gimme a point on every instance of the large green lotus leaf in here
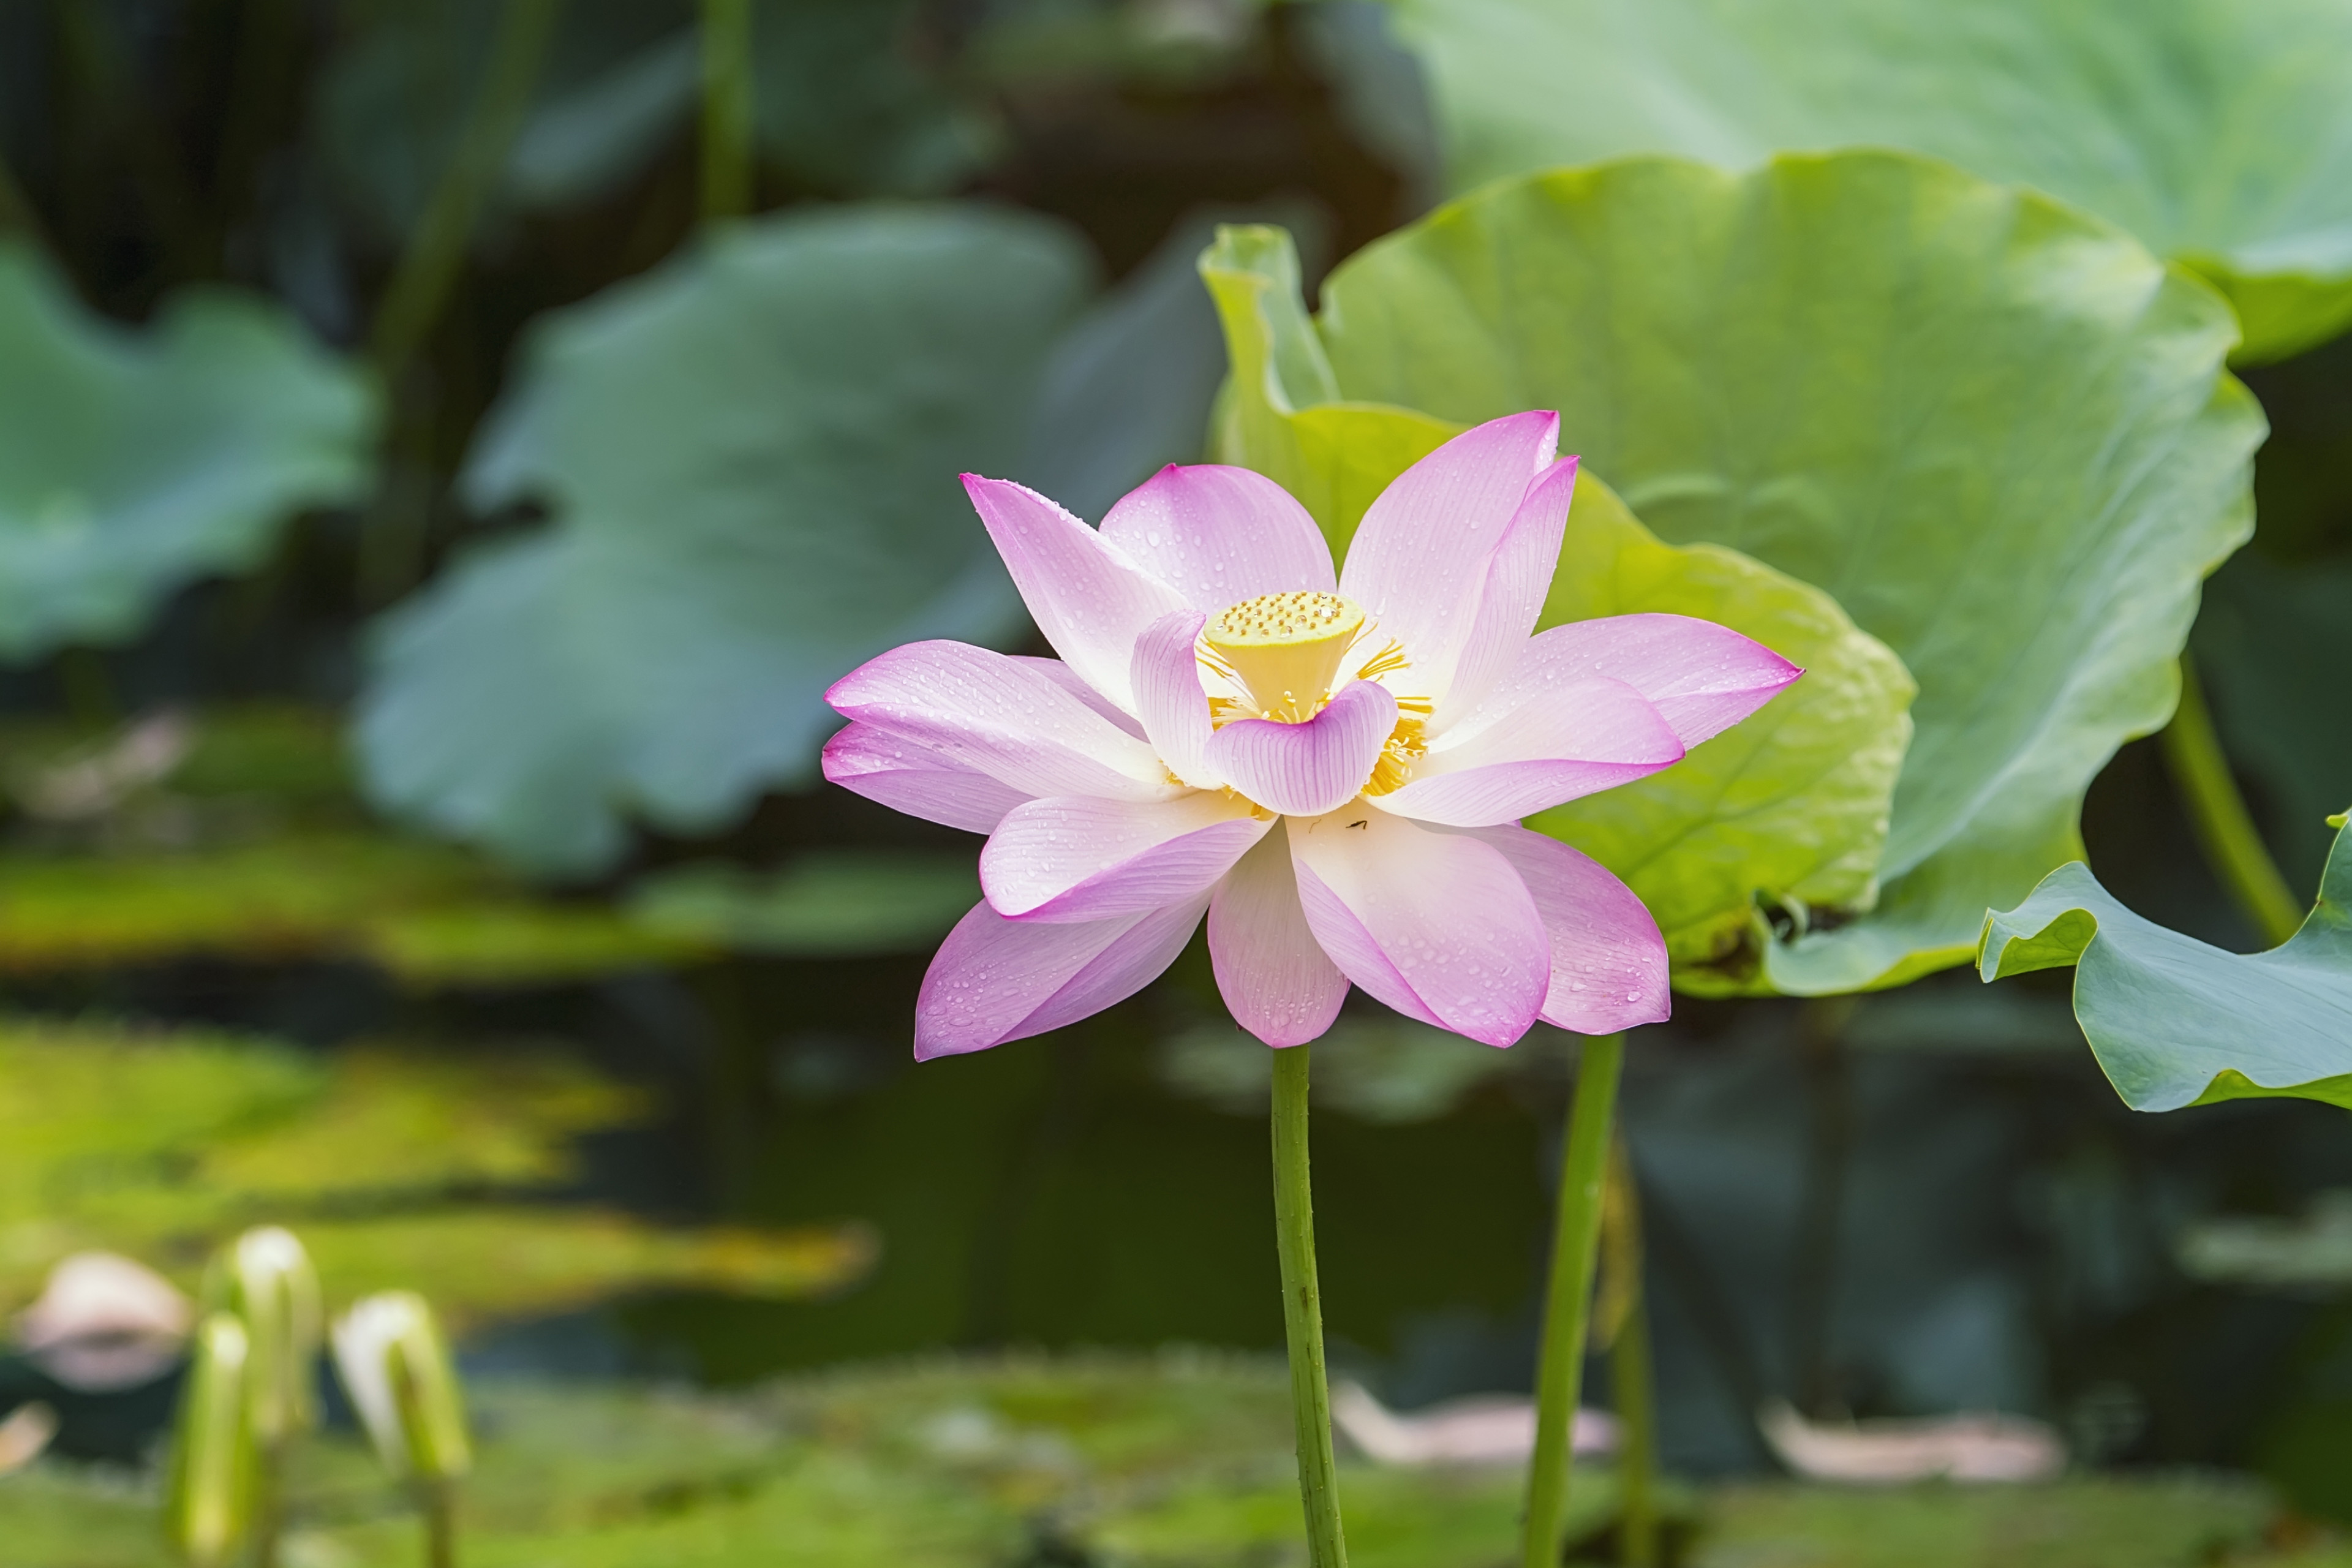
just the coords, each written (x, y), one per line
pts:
(1792, 804)
(751, 455)
(2219, 131)
(134, 463)
(2175, 1022)
(1999, 432)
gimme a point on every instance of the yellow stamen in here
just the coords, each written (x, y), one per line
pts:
(1407, 744)
(1284, 648)
(1388, 660)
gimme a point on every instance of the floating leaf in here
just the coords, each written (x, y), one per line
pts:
(515, 941)
(828, 903)
(2216, 130)
(392, 1124)
(303, 895)
(2175, 1022)
(133, 464)
(750, 455)
(487, 1262)
(1997, 433)
(161, 1145)
(1145, 1462)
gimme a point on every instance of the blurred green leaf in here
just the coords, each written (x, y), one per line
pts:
(134, 463)
(1997, 433)
(2219, 131)
(482, 1263)
(163, 1144)
(1130, 1462)
(751, 453)
(2175, 1022)
(293, 896)
(827, 903)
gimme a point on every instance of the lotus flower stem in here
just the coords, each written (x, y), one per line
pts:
(1576, 1242)
(1302, 1312)
(725, 108)
(1632, 1384)
(2225, 828)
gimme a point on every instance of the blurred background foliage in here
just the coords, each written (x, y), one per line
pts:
(421, 547)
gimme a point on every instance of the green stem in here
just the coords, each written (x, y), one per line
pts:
(1569, 1301)
(725, 108)
(1302, 1312)
(1632, 1385)
(437, 1500)
(2225, 828)
(269, 1502)
(420, 287)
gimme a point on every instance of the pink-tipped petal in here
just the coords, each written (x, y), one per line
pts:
(1303, 770)
(1219, 535)
(1419, 556)
(1518, 577)
(996, 715)
(1437, 925)
(1088, 599)
(1063, 676)
(995, 980)
(914, 779)
(1608, 960)
(1561, 743)
(1701, 677)
(1275, 978)
(1166, 674)
(1073, 859)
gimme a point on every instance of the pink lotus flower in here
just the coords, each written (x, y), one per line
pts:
(1331, 768)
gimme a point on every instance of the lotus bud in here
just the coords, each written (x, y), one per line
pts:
(397, 1370)
(265, 1278)
(209, 1507)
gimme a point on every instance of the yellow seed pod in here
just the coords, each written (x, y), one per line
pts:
(1286, 649)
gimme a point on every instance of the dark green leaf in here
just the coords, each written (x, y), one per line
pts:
(750, 455)
(134, 463)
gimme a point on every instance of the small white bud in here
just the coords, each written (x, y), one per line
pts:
(397, 1370)
(209, 1506)
(265, 1278)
